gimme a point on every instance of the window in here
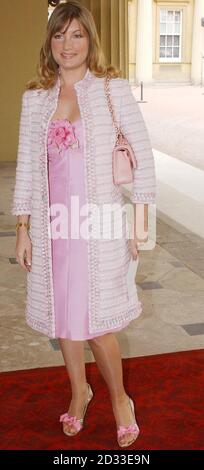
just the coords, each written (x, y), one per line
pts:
(170, 35)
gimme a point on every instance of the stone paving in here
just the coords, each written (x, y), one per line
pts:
(170, 283)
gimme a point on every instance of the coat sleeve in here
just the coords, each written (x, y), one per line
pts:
(21, 203)
(134, 128)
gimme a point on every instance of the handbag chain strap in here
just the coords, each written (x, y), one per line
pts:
(110, 106)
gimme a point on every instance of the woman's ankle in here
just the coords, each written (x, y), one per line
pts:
(120, 399)
(80, 391)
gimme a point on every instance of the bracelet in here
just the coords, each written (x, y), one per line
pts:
(20, 224)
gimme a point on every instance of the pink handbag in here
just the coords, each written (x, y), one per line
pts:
(123, 157)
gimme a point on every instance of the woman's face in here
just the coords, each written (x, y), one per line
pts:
(70, 48)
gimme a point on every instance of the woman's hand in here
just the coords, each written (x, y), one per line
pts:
(24, 249)
(133, 248)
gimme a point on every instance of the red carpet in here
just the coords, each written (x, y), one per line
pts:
(168, 391)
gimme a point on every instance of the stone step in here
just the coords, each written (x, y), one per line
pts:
(164, 84)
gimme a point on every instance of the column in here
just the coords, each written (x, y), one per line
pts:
(95, 7)
(106, 28)
(144, 42)
(23, 26)
(197, 63)
(111, 17)
(115, 33)
(122, 37)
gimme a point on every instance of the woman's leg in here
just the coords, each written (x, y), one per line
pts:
(107, 354)
(73, 354)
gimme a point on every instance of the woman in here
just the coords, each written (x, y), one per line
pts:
(77, 287)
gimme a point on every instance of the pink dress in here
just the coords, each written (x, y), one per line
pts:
(69, 255)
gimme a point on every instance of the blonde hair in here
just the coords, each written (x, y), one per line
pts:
(47, 68)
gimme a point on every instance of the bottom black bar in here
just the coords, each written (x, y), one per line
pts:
(89, 459)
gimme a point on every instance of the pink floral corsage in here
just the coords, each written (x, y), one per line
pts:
(61, 134)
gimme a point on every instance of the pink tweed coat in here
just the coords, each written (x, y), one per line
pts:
(110, 304)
